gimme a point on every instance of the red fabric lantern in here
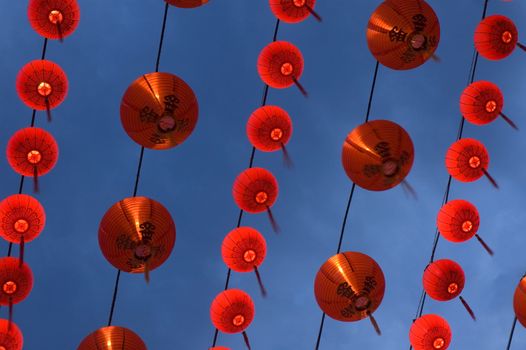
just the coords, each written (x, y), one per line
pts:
(482, 102)
(519, 302)
(458, 221)
(137, 235)
(280, 65)
(444, 280)
(467, 160)
(244, 250)
(54, 19)
(32, 152)
(16, 282)
(496, 37)
(42, 85)
(187, 3)
(219, 348)
(10, 336)
(232, 311)
(293, 11)
(112, 338)
(430, 332)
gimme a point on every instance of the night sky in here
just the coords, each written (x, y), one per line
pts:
(214, 48)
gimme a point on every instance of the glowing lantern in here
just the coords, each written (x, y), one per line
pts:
(496, 37)
(16, 282)
(10, 336)
(293, 11)
(519, 301)
(430, 332)
(187, 3)
(54, 19)
(112, 338)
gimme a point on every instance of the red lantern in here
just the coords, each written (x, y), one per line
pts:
(255, 190)
(112, 338)
(244, 250)
(467, 160)
(458, 221)
(16, 281)
(444, 280)
(482, 102)
(519, 302)
(280, 65)
(232, 311)
(54, 19)
(430, 332)
(42, 85)
(496, 37)
(32, 152)
(10, 336)
(187, 3)
(219, 348)
(293, 11)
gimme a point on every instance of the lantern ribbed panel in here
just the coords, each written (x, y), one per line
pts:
(251, 182)
(25, 208)
(187, 3)
(519, 302)
(237, 243)
(271, 60)
(39, 12)
(229, 304)
(261, 124)
(453, 215)
(490, 34)
(287, 11)
(458, 159)
(11, 271)
(112, 338)
(474, 101)
(429, 329)
(10, 337)
(439, 275)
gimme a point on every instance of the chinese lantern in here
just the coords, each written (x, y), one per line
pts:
(519, 301)
(22, 218)
(219, 348)
(112, 338)
(444, 280)
(159, 111)
(244, 250)
(10, 336)
(280, 65)
(467, 160)
(42, 85)
(403, 35)
(269, 129)
(349, 287)
(232, 311)
(458, 220)
(16, 281)
(430, 332)
(378, 155)
(54, 19)
(482, 102)
(496, 37)
(255, 190)
(293, 11)
(187, 3)
(32, 152)
(137, 235)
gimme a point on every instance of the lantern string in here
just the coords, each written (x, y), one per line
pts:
(471, 78)
(511, 333)
(250, 165)
(139, 166)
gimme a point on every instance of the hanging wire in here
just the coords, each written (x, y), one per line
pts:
(250, 164)
(511, 333)
(139, 166)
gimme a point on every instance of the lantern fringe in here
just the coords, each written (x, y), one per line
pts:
(484, 244)
(469, 310)
(275, 226)
(522, 46)
(36, 188)
(286, 157)
(10, 319)
(302, 89)
(312, 12)
(409, 189)
(147, 272)
(48, 110)
(436, 58)
(245, 337)
(490, 178)
(60, 35)
(374, 323)
(260, 282)
(21, 255)
(509, 121)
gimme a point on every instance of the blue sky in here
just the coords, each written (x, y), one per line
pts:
(215, 49)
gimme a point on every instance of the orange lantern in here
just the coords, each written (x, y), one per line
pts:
(16, 280)
(430, 332)
(244, 250)
(444, 280)
(187, 3)
(482, 102)
(112, 338)
(159, 111)
(255, 190)
(403, 35)
(42, 85)
(458, 221)
(54, 19)
(232, 311)
(293, 11)
(467, 160)
(32, 152)
(378, 155)
(519, 301)
(349, 287)
(10, 336)
(496, 37)
(137, 235)
(280, 65)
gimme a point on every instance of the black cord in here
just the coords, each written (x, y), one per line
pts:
(511, 333)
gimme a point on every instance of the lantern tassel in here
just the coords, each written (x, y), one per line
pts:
(490, 178)
(48, 110)
(36, 188)
(484, 244)
(245, 337)
(312, 12)
(409, 189)
(509, 121)
(436, 58)
(275, 226)
(147, 272)
(522, 46)
(374, 323)
(60, 35)
(21, 256)
(260, 282)
(10, 314)
(286, 157)
(302, 89)
(470, 311)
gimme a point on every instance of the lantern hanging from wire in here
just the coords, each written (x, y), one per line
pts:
(232, 311)
(403, 35)
(349, 287)
(187, 4)
(16, 281)
(496, 37)
(293, 11)
(519, 302)
(10, 336)
(219, 348)
(430, 332)
(112, 338)
(244, 250)
(159, 111)
(54, 19)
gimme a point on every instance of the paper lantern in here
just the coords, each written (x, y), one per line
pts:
(112, 338)
(54, 19)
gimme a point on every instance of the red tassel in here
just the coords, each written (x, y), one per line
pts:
(312, 12)
(481, 241)
(491, 179)
(374, 323)
(409, 189)
(48, 110)
(522, 46)
(471, 313)
(436, 58)
(10, 314)
(245, 337)
(286, 157)
(273, 222)
(22, 244)
(60, 35)
(509, 121)
(36, 188)
(147, 272)
(302, 89)
(261, 286)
